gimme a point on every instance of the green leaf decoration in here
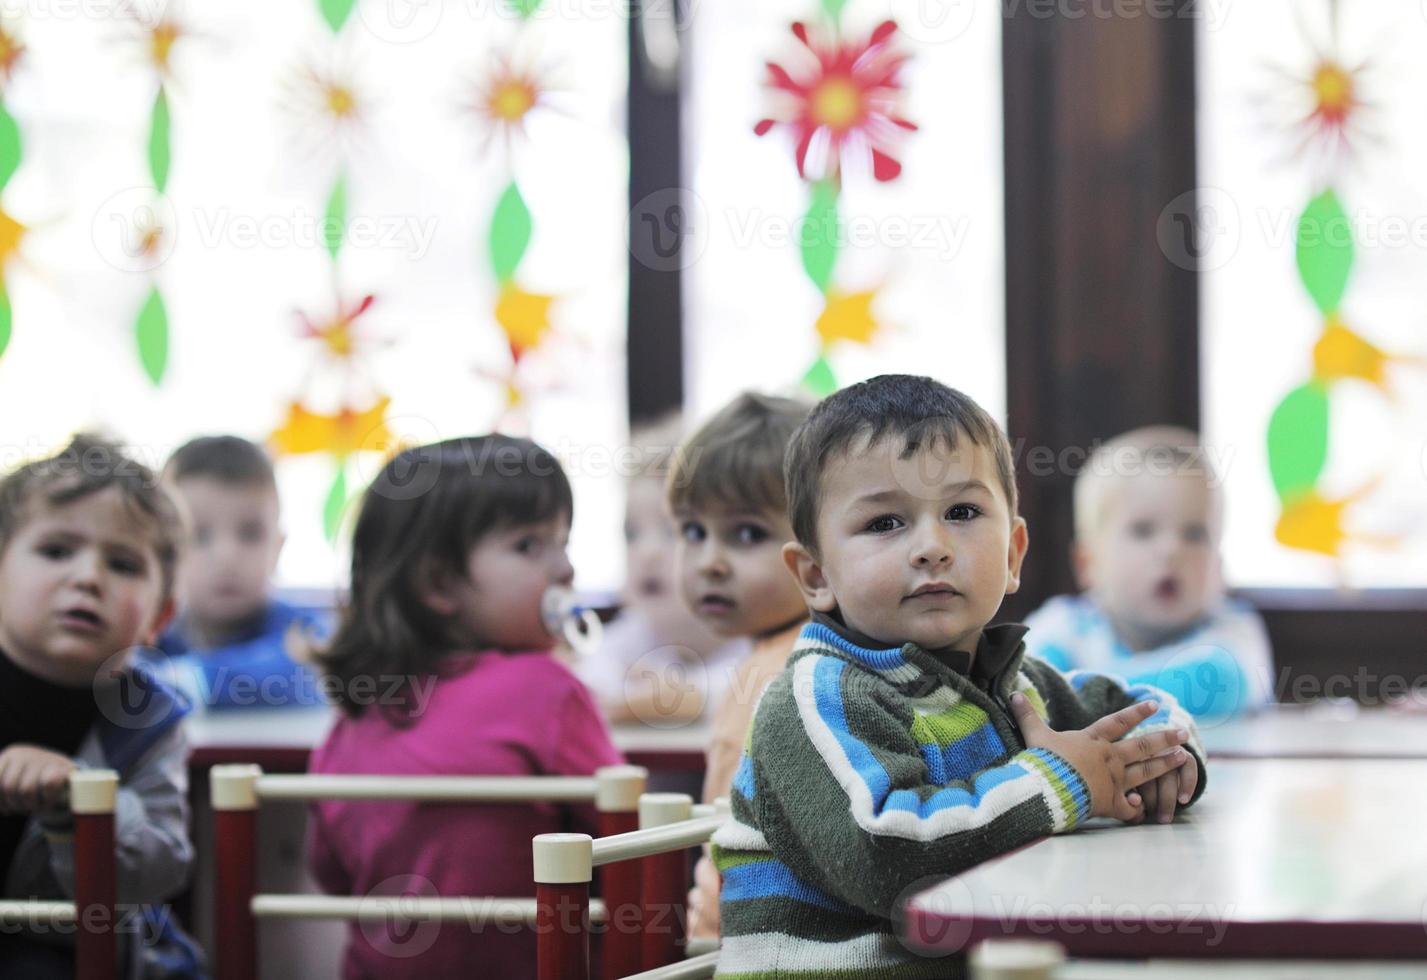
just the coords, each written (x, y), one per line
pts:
(159, 151)
(6, 319)
(820, 381)
(336, 12)
(9, 146)
(525, 8)
(834, 9)
(510, 233)
(151, 331)
(1325, 250)
(1298, 440)
(818, 234)
(334, 222)
(336, 504)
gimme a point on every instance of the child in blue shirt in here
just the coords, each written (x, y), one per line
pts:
(1148, 514)
(229, 645)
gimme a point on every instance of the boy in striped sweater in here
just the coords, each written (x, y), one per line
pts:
(906, 738)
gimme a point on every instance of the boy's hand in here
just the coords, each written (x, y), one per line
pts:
(1160, 795)
(1111, 768)
(32, 778)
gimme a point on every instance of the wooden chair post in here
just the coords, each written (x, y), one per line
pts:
(617, 793)
(563, 864)
(92, 795)
(665, 883)
(235, 837)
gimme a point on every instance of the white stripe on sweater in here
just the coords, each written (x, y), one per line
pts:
(902, 823)
(777, 951)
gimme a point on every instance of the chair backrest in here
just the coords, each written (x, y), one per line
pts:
(238, 790)
(94, 911)
(669, 825)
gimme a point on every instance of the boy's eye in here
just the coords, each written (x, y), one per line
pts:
(528, 545)
(883, 524)
(202, 535)
(963, 512)
(125, 565)
(691, 531)
(251, 534)
(1196, 534)
(1142, 530)
(54, 551)
(750, 534)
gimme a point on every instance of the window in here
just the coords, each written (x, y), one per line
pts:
(897, 267)
(268, 105)
(1315, 367)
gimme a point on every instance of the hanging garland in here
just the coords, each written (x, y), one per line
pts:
(359, 421)
(844, 107)
(1325, 253)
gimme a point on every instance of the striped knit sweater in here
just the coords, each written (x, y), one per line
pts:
(871, 773)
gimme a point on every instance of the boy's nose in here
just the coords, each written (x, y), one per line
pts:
(712, 563)
(85, 571)
(932, 548)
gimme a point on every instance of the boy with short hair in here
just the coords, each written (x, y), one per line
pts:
(1148, 519)
(228, 647)
(88, 545)
(906, 738)
(726, 493)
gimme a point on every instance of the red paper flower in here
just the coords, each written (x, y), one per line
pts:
(847, 104)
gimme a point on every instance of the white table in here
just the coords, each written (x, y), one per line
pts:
(1319, 732)
(1282, 859)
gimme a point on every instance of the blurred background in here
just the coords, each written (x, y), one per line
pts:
(340, 227)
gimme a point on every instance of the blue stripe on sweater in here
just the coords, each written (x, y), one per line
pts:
(971, 752)
(827, 694)
(876, 659)
(743, 778)
(954, 796)
(766, 879)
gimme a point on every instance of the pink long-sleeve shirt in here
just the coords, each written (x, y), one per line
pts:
(506, 714)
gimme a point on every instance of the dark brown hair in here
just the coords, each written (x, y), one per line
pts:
(227, 459)
(89, 465)
(918, 410)
(735, 459)
(429, 506)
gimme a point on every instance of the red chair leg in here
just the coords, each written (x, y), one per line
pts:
(562, 906)
(96, 886)
(235, 838)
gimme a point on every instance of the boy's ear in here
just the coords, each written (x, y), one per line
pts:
(1016, 554)
(817, 593)
(160, 623)
(435, 588)
(1080, 560)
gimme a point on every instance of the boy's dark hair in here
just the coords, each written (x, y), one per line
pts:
(735, 459)
(429, 506)
(916, 409)
(227, 459)
(89, 465)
